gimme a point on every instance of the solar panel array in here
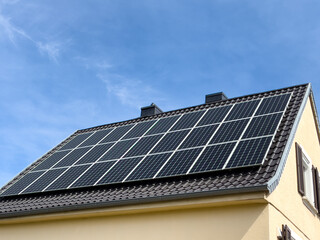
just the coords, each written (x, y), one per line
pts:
(231, 136)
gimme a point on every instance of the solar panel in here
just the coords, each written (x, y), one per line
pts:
(199, 136)
(250, 152)
(96, 137)
(149, 167)
(180, 162)
(188, 120)
(67, 178)
(76, 141)
(72, 157)
(117, 133)
(163, 125)
(93, 174)
(118, 150)
(170, 141)
(213, 157)
(139, 129)
(120, 170)
(143, 146)
(243, 110)
(52, 160)
(214, 115)
(229, 131)
(95, 153)
(231, 136)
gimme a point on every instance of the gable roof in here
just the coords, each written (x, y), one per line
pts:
(264, 177)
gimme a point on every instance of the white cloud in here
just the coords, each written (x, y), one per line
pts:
(51, 49)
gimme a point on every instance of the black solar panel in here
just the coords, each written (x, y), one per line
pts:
(52, 160)
(67, 177)
(76, 141)
(163, 125)
(231, 136)
(95, 153)
(117, 133)
(72, 157)
(230, 131)
(143, 146)
(139, 129)
(214, 115)
(149, 167)
(263, 125)
(188, 120)
(249, 152)
(23, 183)
(180, 162)
(93, 174)
(199, 136)
(243, 110)
(43, 181)
(213, 157)
(273, 104)
(96, 137)
(118, 150)
(120, 170)
(170, 141)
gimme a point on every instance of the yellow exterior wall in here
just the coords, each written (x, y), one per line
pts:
(286, 205)
(228, 223)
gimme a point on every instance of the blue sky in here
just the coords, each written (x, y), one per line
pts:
(68, 65)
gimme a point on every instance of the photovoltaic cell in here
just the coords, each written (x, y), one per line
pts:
(263, 125)
(243, 110)
(213, 157)
(95, 153)
(149, 167)
(43, 181)
(170, 141)
(117, 133)
(162, 125)
(139, 129)
(96, 137)
(120, 170)
(76, 141)
(67, 178)
(143, 146)
(229, 131)
(273, 104)
(118, 150)
(22, 183)
(214, 115)
(180, 162)
(249, 152)
(90, 177)
(71, 158)
(50, 161)
(199, 136)
(188, 120)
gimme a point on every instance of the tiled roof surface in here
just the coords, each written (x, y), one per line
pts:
(245, 179)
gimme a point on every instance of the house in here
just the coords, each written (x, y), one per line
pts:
(240, 168)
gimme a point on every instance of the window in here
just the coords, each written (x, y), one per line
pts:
(308, 180)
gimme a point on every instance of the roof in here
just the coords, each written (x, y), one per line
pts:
(264, 177)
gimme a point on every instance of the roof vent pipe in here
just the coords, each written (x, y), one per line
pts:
(153, 109)
(215, 97)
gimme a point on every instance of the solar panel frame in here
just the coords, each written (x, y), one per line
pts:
(96, 137)
(76, 141)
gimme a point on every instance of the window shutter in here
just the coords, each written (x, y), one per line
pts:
(286, 233)
(316, 188)
(300, 169)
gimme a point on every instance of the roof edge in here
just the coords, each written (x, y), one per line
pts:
(274, 181)
(97, 205)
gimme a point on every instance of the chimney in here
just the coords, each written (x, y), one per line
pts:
(150, 110)
(215, 97)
